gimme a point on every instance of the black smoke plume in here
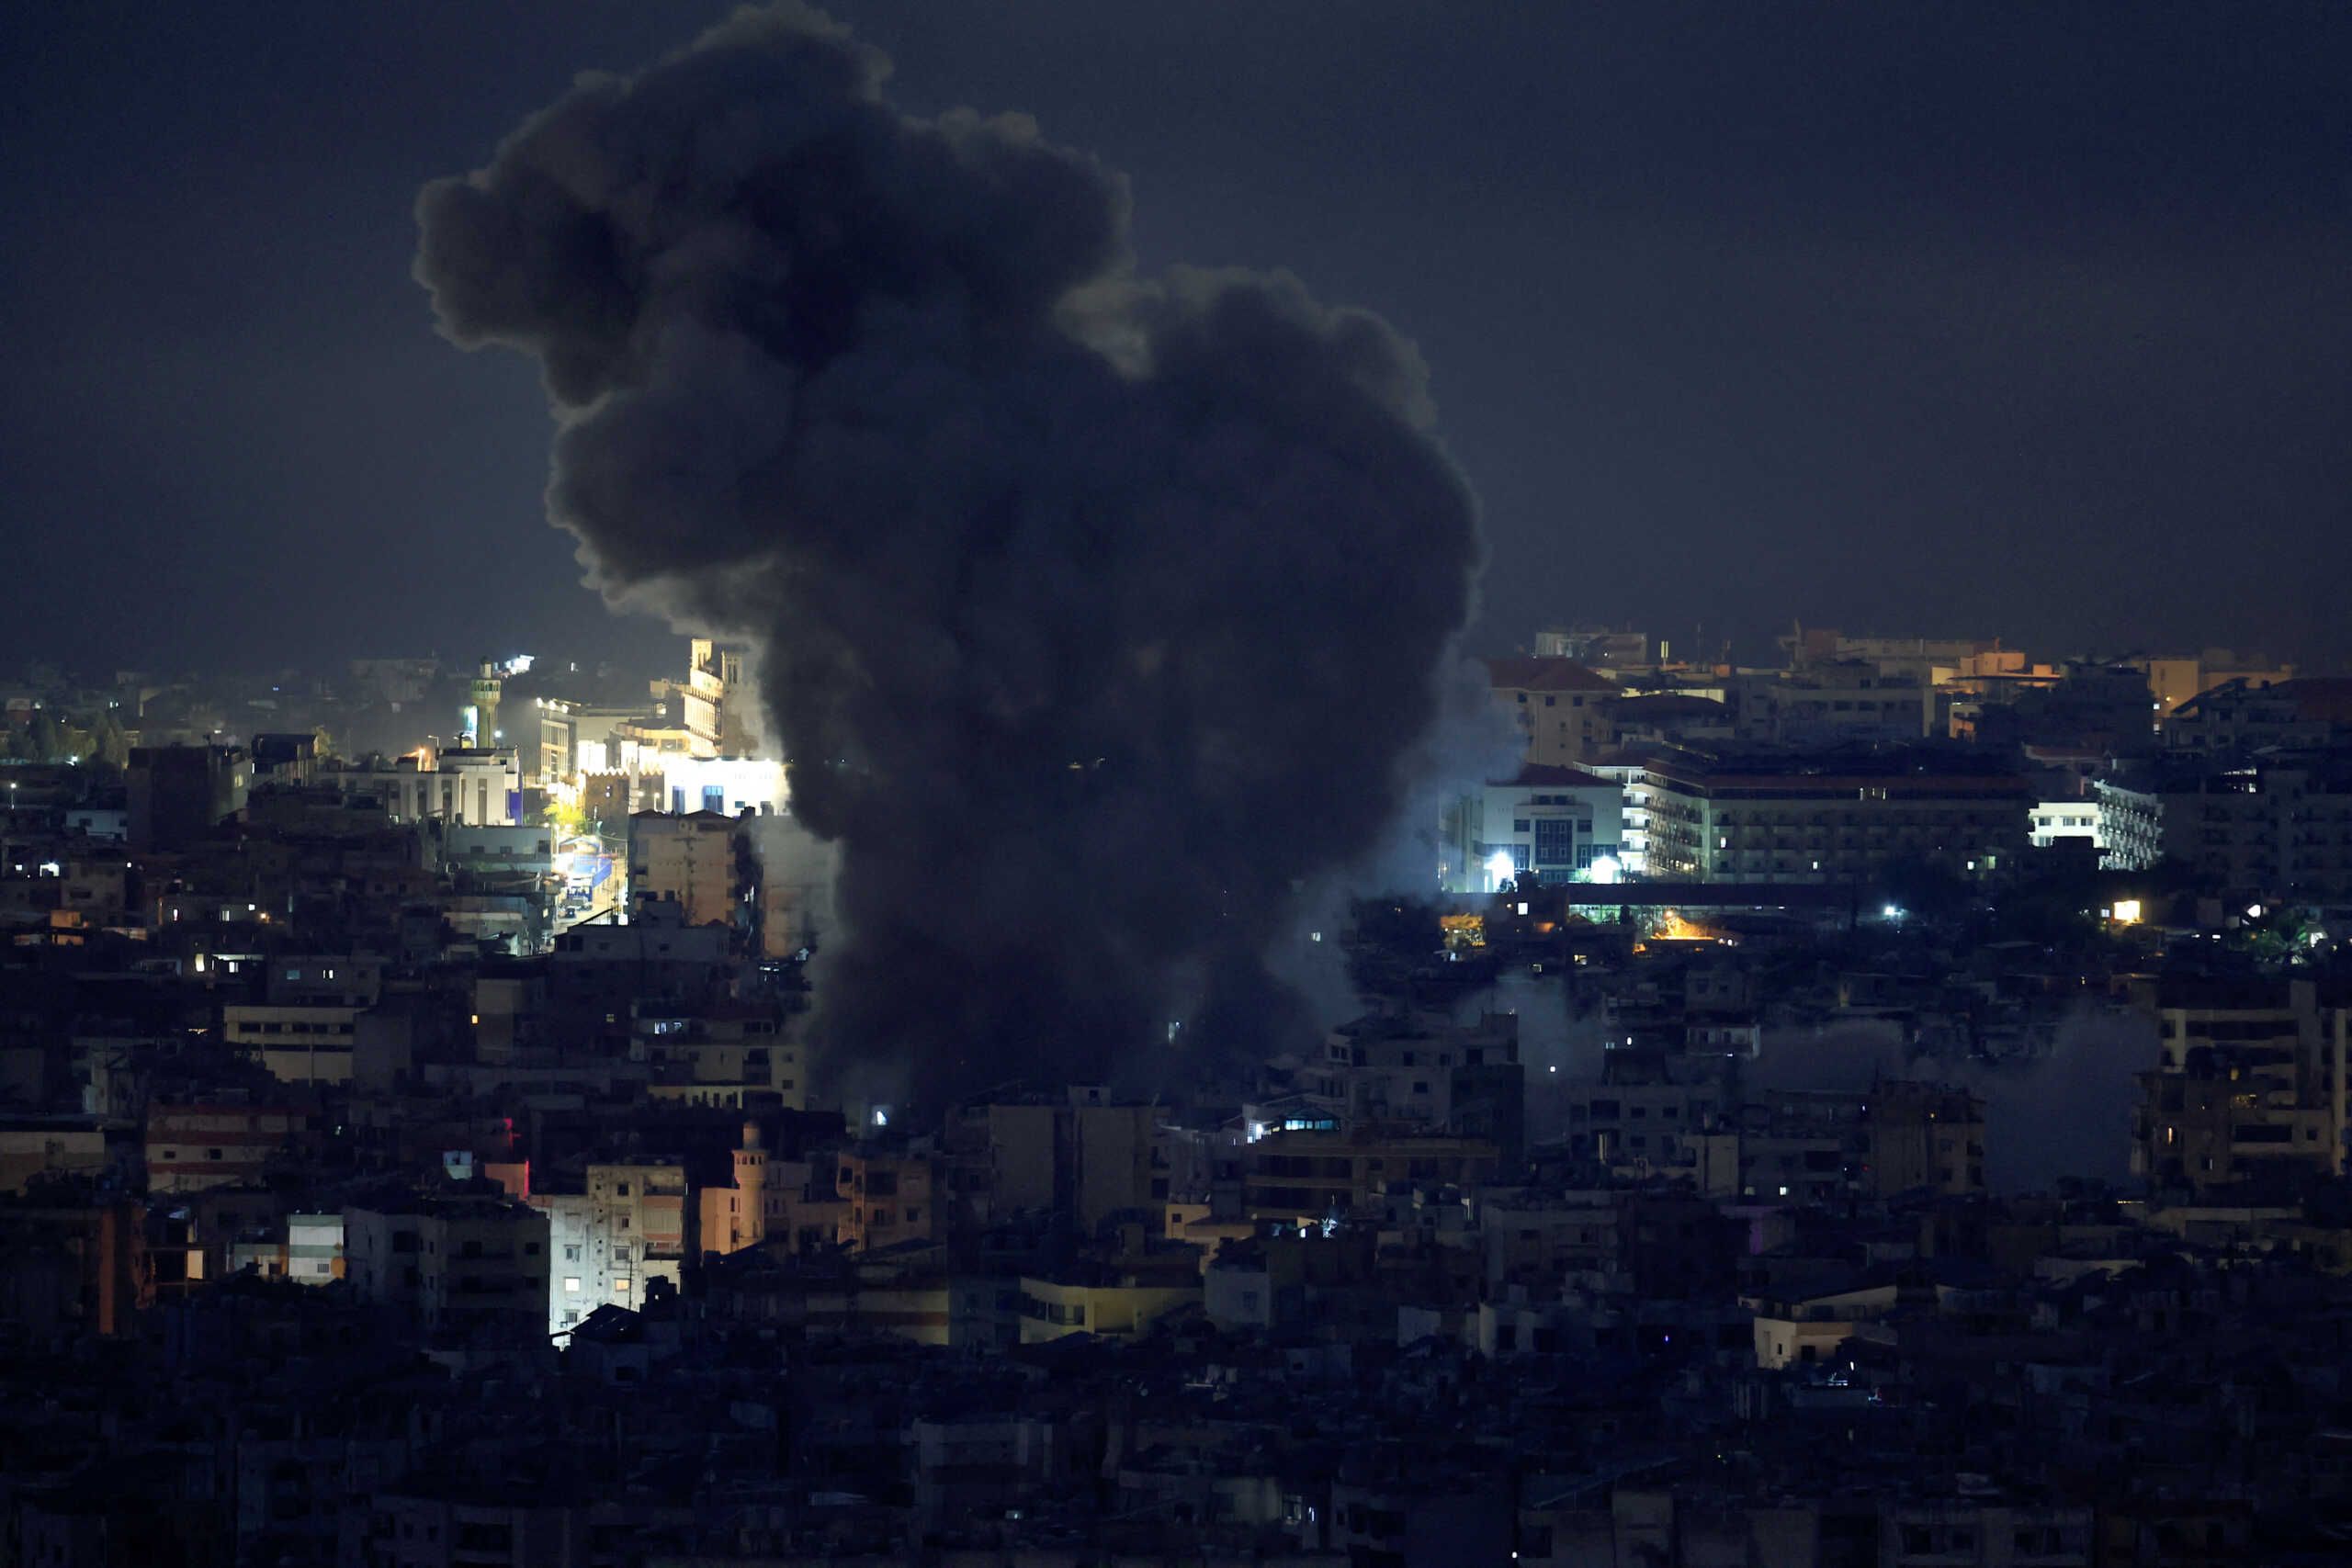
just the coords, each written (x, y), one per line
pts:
(1096, 609)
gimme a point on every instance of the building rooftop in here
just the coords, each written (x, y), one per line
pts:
(1545, 676)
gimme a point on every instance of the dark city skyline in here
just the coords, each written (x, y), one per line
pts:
(1357, 784)
(1952, 322)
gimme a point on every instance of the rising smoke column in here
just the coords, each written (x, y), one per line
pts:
(1096, 609)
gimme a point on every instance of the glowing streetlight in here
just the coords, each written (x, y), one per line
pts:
(1500, 869)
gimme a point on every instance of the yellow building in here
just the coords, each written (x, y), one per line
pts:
(2172, 681)
(700, 860)
(1791, 1332)
(297, 1044)
(1117, 1305)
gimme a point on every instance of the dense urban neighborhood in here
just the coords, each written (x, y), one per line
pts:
(1888, 1108)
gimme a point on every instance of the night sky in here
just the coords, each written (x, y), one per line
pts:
(2022, 319)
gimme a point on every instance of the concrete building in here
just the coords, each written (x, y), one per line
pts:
(1078, 1151)
(1118, 1302)
(2131, 823)
(297, 1044)
(1843, 703)
(2307, 713)
(1559, 706)
(717, 704)
(1831, 816)
(191, 1147)
(2276, 829)
(1594, 645)
(481, 786)
(2249, 1085)
(1925, 1137)
(2172, 681)
(73, 1269)
(730, 786)
(1391, 1073)
(1561, 823)
(889, 1195)
(179, 794)
(1304, 1177)
(728, 1055)
(2052, 821)
(34, 1143)
(701, 862)
(454, 1261)
(544, 735)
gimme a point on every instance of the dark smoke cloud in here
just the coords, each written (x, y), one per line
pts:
(1097, 610)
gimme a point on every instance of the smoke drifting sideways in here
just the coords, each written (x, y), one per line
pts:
(1097, 610)
(2066, 1112)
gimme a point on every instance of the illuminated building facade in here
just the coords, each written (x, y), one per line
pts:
(1836, 816)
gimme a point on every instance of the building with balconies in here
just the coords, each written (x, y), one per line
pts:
(1843, 815)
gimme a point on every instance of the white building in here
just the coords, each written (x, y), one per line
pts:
(1633, 824)
(728, 786)
(1563, 824)
(2131, 826)
(483, 787)
(2052, 820)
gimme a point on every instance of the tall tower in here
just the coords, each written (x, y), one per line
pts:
(485, 691)
(752, 1184)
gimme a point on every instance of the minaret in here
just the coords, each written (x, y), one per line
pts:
(485, 691)
(751, 1185)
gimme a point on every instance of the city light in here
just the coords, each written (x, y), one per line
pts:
(1606, 869)
(2127, 911)
(1501, 871)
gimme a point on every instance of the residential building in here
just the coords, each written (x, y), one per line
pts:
(179, 794)
(2250, 1084)
(701, 862)
(2273, 830)
(1844, 703)
(889, 1194)
(454, 1261)
(1560, 707)
(2307, 713)
(194, 1146)
(1594, 645)
(2172, 681)
(482, 786)
(296, 1044)
(1831, 816)
(2054, 822)
(2131, 822)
